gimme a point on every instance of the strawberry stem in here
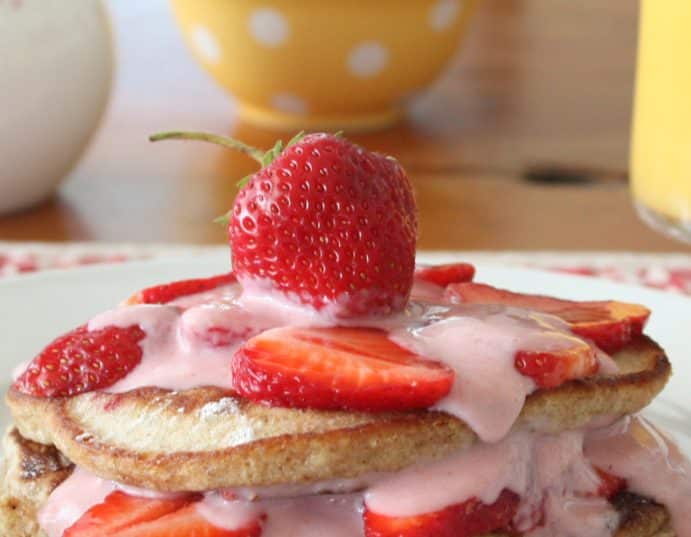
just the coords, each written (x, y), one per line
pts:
(256, 154)
(264, 158)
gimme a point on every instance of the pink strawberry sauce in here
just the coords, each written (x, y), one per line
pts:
(479, 343)
(190, 342)
(650, 462)
(552, 472)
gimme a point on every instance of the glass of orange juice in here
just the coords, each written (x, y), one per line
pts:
(661, 146)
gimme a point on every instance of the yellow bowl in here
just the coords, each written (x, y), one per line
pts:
(309, 64)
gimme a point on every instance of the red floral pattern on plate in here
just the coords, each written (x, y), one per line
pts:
(670, 273)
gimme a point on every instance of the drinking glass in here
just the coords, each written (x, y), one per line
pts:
(661, 146)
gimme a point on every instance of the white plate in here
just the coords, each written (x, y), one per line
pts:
(36, 308)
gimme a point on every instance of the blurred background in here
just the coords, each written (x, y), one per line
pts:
(521, 142)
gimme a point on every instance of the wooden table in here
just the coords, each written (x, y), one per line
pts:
(538, 84)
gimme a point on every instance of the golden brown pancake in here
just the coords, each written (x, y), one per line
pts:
(31, 472)
(208, 438)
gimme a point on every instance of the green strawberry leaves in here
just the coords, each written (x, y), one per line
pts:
(267, 158)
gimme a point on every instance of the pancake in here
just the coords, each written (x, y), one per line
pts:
(31, 471)
(208, 438)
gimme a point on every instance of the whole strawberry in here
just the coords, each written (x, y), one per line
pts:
(327, 223)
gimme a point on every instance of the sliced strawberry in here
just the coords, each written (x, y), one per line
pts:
(82, 361)
(337, 368)
(120, 511)
(620, 324)
(162, 294)
(187, 522)
(551, 369)
(610, 484)
(466, 519)
(444, 275)
(611, 325)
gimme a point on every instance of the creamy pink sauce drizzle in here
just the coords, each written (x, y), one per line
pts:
(306, 516)
(333, 486)
(651, 463)
(482, 472)
(550, 473)
(77, 494)
(71, 499)
(190, 341)
(170, 359)
(229, 515)
(480, 344)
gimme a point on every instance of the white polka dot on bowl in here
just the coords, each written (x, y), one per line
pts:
(269, 27)
(205, 44)
(289, 103)
(368, 59)
(444, 13)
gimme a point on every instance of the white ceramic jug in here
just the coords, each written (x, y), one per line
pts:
(56, 64)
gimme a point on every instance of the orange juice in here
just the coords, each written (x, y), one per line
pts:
(661, 148)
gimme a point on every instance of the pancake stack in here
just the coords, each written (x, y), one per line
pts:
(328, 386)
